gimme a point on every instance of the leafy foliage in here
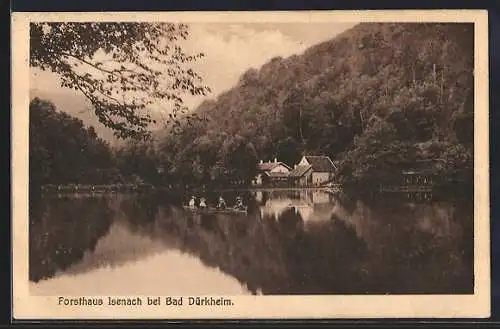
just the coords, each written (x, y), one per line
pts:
(63, 151)
(136, 162)
(124, 69)
(376, 98)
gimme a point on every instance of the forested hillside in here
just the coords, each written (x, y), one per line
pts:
(377, 96)
(76, 106)
(63, 150)
(66, 150)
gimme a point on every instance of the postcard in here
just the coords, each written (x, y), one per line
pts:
(250, 165)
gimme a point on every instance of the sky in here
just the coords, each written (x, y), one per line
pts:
(230, 49)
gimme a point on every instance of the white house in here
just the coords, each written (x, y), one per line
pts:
(313, 170)
(274, 171)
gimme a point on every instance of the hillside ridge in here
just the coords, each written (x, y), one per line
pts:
(410, 84)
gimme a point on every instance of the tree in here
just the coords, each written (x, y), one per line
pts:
(123, 69)
(137, 160)
(399, 112)
(62, 150)
(239, 158)
(377, 153)
(293, 115)
(288, 150)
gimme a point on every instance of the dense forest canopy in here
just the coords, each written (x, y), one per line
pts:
(63, 150)
(377, 97)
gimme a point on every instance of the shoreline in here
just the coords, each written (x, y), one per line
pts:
(145, 188)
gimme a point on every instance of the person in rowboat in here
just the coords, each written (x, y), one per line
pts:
(221, 204)
(239, 203)
(203, 203)
(192, 202)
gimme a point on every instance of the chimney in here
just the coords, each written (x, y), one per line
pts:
(261, 162)
(294, 166)
(275, 160)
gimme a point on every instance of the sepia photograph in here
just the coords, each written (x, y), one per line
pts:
(222, 165)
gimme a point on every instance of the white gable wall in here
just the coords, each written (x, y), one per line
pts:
(280, 169)
(304, 162)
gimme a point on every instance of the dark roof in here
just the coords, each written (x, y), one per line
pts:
(299, 171)
(266, 166)
(321, 163)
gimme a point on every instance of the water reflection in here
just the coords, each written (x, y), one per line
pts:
(62, 230)
(310, 204)
(290, 242)
(126, 263)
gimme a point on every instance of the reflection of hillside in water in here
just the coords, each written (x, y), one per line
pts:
(427, 246)
(117, 248)
(289, 243)
(57, 240)
(132, 244)
(268, 255)
(236, 245)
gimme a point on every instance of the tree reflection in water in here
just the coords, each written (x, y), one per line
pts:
(291, 242)
(61, 230)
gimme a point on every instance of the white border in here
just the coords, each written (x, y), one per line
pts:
(26, 306)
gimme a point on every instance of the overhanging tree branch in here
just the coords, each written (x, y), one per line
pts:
(159, 74)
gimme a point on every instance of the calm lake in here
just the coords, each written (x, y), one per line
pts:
(290, 242)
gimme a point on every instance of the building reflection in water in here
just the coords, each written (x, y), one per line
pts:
(290, 242)
(310, 204)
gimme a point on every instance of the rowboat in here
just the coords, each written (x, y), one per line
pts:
(229, 210)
